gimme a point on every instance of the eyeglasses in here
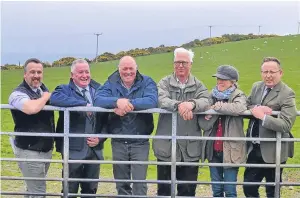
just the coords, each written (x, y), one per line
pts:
(179, 63)
(269, 72)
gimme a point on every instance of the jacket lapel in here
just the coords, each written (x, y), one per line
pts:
(73, 86)
(259, 93)
(273, 93)
(92, 93)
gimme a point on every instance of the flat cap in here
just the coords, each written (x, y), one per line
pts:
(227, 72)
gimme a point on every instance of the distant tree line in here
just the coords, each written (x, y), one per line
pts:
(14, 66)
(107, 56)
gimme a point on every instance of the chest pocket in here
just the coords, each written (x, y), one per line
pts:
(274, 107)
(190, 93)
(136, 92)
(182, 94)
(274, 104)
(175, 93)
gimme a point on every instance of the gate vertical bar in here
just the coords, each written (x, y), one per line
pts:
(277, 169)
(66, 153)
(173, 156)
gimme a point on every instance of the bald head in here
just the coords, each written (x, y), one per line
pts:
(127, 60)
(127, 69)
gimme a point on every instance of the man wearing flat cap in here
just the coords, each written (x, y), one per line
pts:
(230, 101)
(266, 96)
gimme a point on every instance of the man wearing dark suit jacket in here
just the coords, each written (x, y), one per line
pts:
(80, 92)
(266, 96)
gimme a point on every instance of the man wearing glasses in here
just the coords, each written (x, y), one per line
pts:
(266, 96)
(182, 92)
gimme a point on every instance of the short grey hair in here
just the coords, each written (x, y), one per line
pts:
(32, 60)
(189, 52)
(75, 62)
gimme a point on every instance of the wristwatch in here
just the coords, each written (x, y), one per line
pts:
(193, 101)
(176, 106)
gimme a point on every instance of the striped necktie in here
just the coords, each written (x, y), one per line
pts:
(92, 116)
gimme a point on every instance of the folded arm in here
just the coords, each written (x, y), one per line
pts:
(286, 118)
(149, 99)
(22, 102)
(104, 97)
(235, 108)
(61, 97)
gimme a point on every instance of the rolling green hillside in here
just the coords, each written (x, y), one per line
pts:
(246, 56)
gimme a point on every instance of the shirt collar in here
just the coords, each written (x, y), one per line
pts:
(80, 88)
(178, 81)
(267, 88)
(35, 89)
(125, 86)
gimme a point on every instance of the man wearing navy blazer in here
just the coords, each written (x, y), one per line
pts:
(266, 96)
(80, 92)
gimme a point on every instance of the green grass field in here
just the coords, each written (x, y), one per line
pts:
(246, 56)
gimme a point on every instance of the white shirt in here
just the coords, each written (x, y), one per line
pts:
(182, 85)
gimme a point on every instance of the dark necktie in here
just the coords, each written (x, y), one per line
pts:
(83, 93)
(267, 92)
(92, 116)
(38, 92)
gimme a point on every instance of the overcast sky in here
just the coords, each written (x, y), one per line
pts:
(52, 30)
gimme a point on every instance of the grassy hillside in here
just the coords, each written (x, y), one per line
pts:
(244, 55)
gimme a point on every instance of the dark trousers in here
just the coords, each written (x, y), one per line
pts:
(85, 171)
(185, 173)
(256, 174)
(126, 151)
